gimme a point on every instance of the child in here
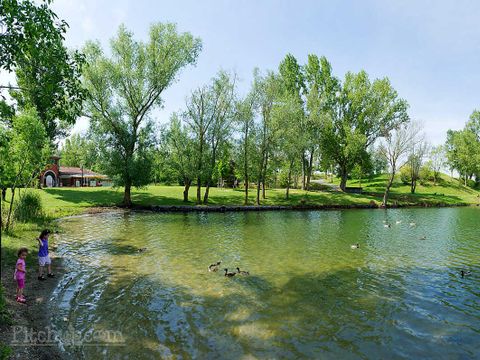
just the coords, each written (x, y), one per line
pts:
(43, 258)
(19, 275)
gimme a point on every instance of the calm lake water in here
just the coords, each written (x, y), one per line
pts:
(309, 294)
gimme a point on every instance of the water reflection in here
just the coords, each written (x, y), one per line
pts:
(309, 294)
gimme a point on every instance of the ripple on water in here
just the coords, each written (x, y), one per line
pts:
(310, 295)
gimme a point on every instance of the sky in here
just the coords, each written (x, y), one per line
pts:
(430, 50)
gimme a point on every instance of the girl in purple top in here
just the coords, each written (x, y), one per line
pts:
(43, 257)
(19, 275)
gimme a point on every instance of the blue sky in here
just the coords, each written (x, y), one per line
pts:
(430, 50)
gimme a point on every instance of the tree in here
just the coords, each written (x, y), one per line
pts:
(267, 88)
(293, 87)
(124, 89)
(209, 115)
(245, 119)
(395, 148)
(418, 151)
(223, 91)
(80, 151)
(320, 87)
(437, 159)
(463, 153)
(48, 76)
(363, 112)
(24, 156)
(179, 153)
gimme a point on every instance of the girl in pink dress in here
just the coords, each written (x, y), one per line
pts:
(20, 271)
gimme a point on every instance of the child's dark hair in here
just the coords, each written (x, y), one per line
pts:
(44, 233)
(21, 251)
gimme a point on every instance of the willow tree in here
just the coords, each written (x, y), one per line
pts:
(125, 88)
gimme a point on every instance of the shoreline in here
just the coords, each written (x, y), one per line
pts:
(34, 316)
(248, 208)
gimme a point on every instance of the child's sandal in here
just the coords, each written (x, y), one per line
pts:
(51, 275)
(21, 300)
(42, 278)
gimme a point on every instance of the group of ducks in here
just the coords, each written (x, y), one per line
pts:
(215, 266)
(463, 273)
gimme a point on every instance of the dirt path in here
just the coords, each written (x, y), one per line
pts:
(32, 318)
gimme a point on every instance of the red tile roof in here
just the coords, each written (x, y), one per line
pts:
(70, 170)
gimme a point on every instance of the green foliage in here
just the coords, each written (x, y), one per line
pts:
(80, 151)
(48, 76)
(25, 149)
(28, 206)
(463, 152)
(124, 89)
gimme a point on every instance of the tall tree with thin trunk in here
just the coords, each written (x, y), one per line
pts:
(395, 148)
(125, 88)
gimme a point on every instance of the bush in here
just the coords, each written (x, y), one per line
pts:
(28, 207)
(405, 174)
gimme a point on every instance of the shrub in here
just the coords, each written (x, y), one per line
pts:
(28, 206)
(405, 174)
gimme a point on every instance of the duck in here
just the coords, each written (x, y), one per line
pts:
(227, 274)
(387, 225)
(242, 272)
(413, 224)
(214, 267)
(398, 222)
(424, 237)
(142, 249)
(355, 246)
(465, 273)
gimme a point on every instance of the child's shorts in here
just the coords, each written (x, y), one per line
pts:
(44, 260)
(21, 283)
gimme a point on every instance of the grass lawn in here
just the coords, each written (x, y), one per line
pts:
(58, 202)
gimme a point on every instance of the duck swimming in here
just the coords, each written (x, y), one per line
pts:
(214, 267)
(412, 224)
(227, 274)
(355, 246)
(465, 273)
(387, 225)
(242, 272)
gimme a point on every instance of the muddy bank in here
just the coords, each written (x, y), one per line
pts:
(29, 332)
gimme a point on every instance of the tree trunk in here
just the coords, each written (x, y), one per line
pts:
(264, 176)
(4, 194)
(245, 202)
(413, 185)
(127, 199)
(343, 178)
(187, 184)
(289, 179)
(310, 168)
(387, 189)
(245, 163)
(304, 172)
(205, 195)
(258, 191)
(10, 209)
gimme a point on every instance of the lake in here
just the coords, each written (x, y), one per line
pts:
(143, 278)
